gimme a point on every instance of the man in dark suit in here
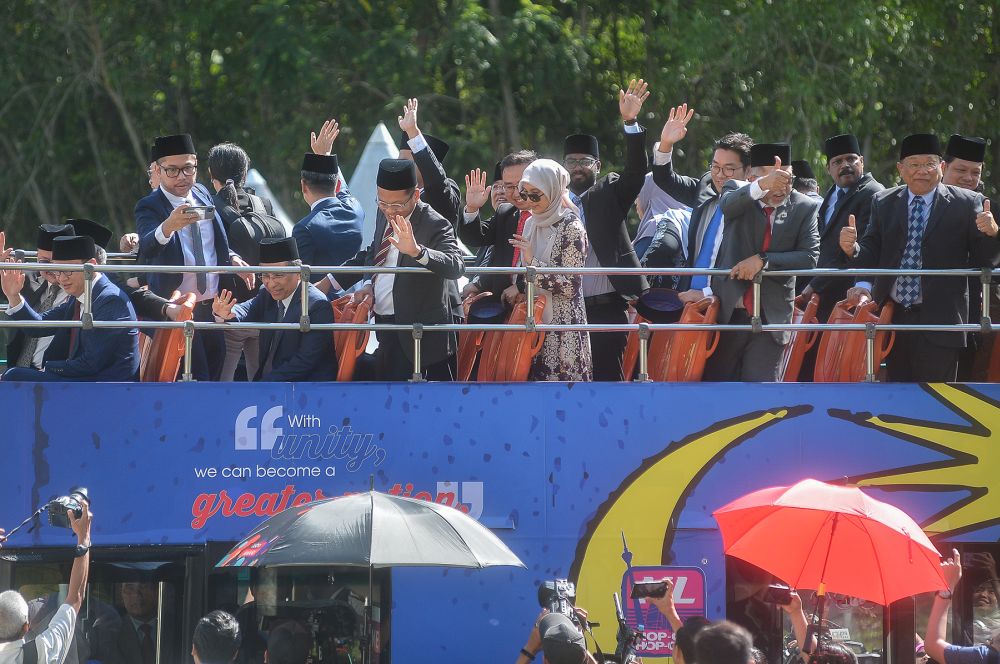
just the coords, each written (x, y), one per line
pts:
(851, 194)
(409, 234)
(730, 161)
(604, 206)
(91, 354)
(768, 225)
(136, 642)
(171, 234)
(331, 232)
(923, 224)
(964, 158)
(286, 355)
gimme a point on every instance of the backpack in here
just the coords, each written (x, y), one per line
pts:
(249, 223)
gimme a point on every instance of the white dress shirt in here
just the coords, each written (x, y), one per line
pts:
(45, 342)
(53, 644)
(189, 280)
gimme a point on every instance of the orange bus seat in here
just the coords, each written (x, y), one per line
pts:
(350, 344)
(165, 351)
(630, 359)
(518, 349)
(993, 372)
(801, 341)
(685, 353)
(469, 343)
(841, 356)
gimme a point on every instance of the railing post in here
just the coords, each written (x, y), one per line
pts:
(529, 290)
(755, 322)
(870, 352)
(986, 278)
(188, 340)
(304, 274)
(418, 334)
(87, 312)
(644, 336)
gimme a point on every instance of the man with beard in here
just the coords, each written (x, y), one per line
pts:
(604, 206)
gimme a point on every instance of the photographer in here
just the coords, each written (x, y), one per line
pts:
(558, 639)
(827, 652)
(52, 645)
(684, 631)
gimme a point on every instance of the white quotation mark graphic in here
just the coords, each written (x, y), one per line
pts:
(247, 433)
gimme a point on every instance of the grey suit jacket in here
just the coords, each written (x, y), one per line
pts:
(794, 245)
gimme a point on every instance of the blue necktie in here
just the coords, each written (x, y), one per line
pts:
(838, 194)
(700, 281)
(578, 202)
(908, 288)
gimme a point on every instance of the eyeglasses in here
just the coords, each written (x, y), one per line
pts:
(586, 162)
(394, 207)
(272, 276)
(173, 171)
(534, 198)
(728, 171)
(924, 166)
(510, 188)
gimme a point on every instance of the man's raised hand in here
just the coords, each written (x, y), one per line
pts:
(222, 305)
(849, 237)
(12, 281)
(630, 101)
(984, 221)
(675, 128)
(323, 142)
(476, 190)
(408, 120)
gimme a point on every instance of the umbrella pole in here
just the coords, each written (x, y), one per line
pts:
(821, 591)
(369, 629)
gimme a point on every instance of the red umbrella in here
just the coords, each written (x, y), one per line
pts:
(832, 538)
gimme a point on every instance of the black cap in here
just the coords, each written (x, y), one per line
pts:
(919, 144)
(487, 310)
(763, 154)
(802, 169)
(49, 232)
(73, 248)
(154, 153)
(278, 250)
(396, 175)
(969, 148)
(99, 234)
(660, 305)
(497, 172)
(562, 642)
(842, 144)
(320, 163)
(167, 146)
(437, 146)
(581, 144)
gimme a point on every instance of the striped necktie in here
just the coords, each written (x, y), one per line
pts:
(908, 288)
(383, 249)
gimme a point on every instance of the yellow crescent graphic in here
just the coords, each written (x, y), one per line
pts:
(664, 480)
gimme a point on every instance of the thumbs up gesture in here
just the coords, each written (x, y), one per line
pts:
(985, 222)
(849, 238)
(778, 181)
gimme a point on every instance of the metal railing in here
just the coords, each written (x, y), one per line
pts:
(530, 273)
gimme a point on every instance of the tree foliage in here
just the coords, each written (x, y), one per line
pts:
(87, 84)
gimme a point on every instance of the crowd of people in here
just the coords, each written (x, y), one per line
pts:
(751, 211)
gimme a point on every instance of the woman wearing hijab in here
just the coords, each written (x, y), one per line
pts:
(555, 237)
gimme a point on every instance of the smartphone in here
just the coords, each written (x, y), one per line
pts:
(205, 212)
(777, 593)
(656, 589)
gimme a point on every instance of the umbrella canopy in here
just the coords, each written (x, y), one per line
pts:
(813, 533)
(371, 529)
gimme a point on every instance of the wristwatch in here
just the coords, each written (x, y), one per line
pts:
(763, 257)
(81, 550)
(422, 254)
(529, 655)
(944, 594)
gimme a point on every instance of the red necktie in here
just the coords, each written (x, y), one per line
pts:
(748, 295)
(74, 332)
(148, 645)
(517, 250)
(383, 249)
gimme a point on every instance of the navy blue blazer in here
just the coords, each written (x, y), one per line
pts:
(152, 211)
(298, 357)
(100, 355)
(331, 233)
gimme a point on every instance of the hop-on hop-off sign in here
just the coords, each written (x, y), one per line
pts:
(689, 600)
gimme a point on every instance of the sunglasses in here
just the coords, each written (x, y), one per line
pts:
(534, 198)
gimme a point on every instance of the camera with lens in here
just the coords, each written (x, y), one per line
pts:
(559, 596)
(59, 508)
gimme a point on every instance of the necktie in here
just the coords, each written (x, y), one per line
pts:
(74, 332)
(835, 199)
(704, 259)
(273, 348)
(383, 249)
(201, 279)
(27, 357)
(147, 645)
(908, 288)
(517, 250)
(748, 295)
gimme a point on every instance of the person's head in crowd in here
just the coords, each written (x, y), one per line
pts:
(498, 196)
(762, 164)
(216, 639)
(396, 187)
(963, 161)
(757, 656)
(844, 161)
(562, 641)
(152, 174)
(984, 596)
(319, 177)
(288, 643)
(544, 186)
(511, 169)
(280, 252)
(832, 652)
(73, 250)
(228, 165)
(582, 159)
(47, 233)
(439, 147)
(920, 163)
(140, 599)
(723, 643)
(730, 159)
(13, 616)
(805, 180)
(101, 235)
(685, 637)
(177, 163)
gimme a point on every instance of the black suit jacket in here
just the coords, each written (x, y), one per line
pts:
(298, 356)
(698, 194)
(951, 240)
(495, 234)
(605, 210)
(857, 201)
(31, 292)
(420, 298)
(443, 195)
